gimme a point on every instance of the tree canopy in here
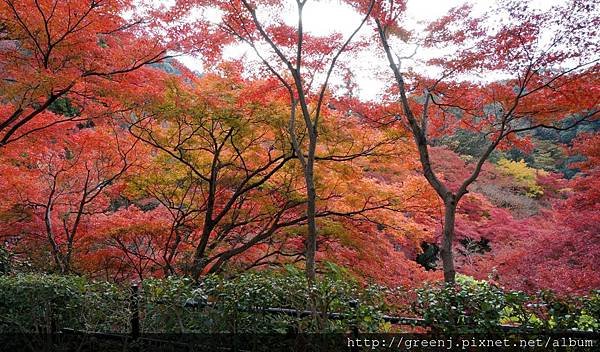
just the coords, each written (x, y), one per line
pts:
(478, 156)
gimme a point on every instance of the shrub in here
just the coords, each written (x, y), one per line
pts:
(238, 304)
(477, 306)
(553, 312)
(524, 175)
(46, 303)
(468, 306)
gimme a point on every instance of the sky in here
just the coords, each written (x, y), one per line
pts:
(326, 16)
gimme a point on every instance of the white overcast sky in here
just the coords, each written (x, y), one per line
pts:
(327, 16)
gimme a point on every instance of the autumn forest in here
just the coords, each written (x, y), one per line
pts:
(186, 141)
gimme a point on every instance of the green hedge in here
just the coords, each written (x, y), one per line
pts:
(237, 304)
(45, 303)
(477, 306)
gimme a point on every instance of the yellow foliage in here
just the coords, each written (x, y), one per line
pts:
(525, 176)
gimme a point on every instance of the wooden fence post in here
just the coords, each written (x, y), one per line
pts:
(135, 312)
(354, 305)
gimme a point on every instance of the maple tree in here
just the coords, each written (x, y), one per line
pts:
(229, 167)
(57, 51)
(296, 59)
(540, 88)
(64, 185)
(127, 244)
(118, 162)
(222, 159)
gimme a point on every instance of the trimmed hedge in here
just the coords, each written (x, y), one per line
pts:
(46, 303)
(477, 306)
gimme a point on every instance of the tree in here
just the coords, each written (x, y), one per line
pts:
(130, 243)
(63, 184)
(223, 159)
(541, 84)
(297, 60)
(57, 51)
(223, 170)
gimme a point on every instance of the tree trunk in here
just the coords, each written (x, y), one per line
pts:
(311, 239)
(199, 263)
(66, 267)
(200, 259)
(448, 239)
